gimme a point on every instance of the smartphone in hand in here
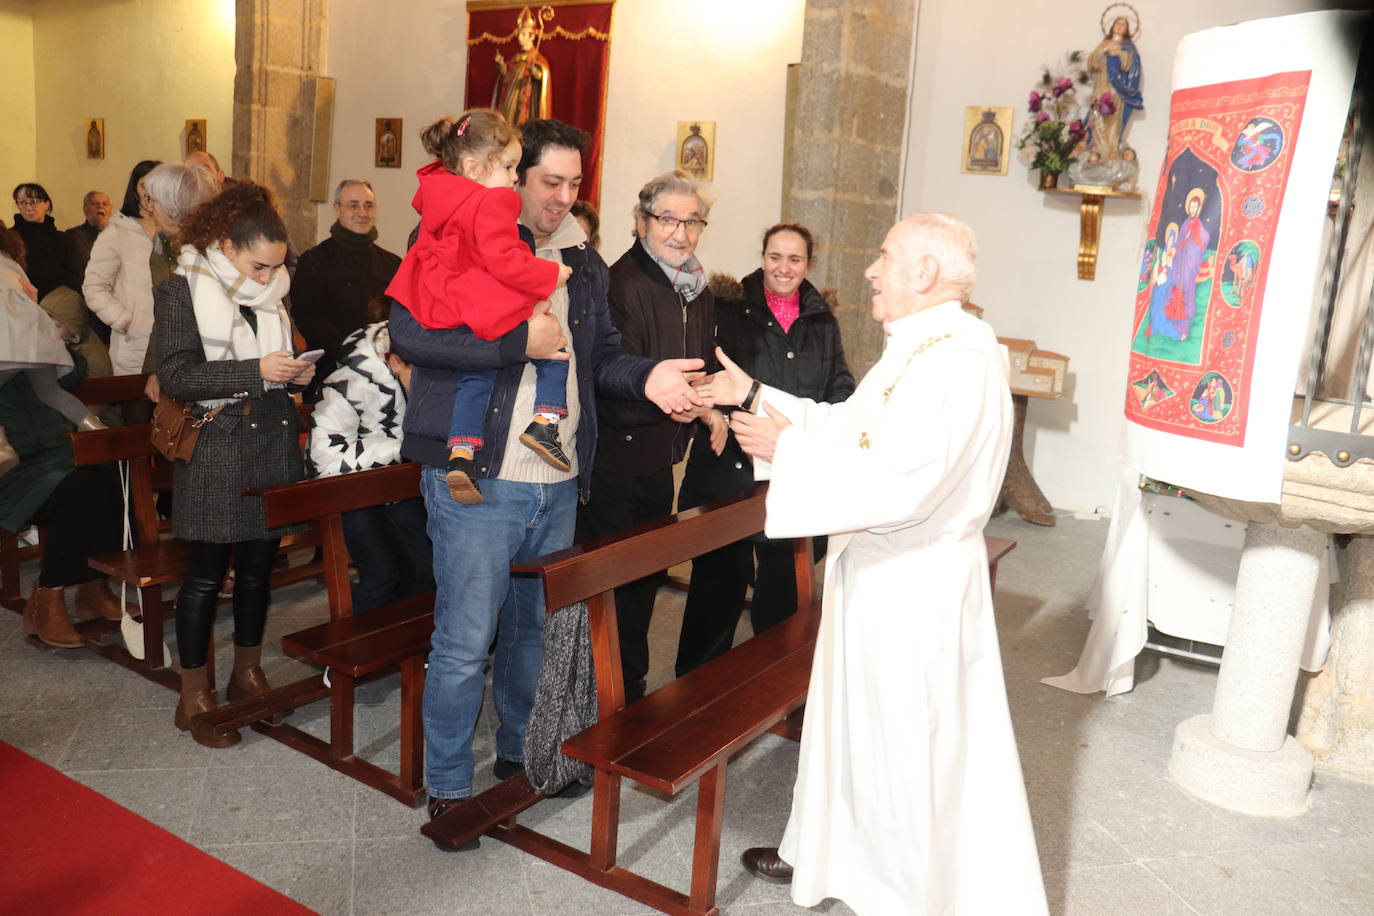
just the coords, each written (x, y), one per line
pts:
(310, 356)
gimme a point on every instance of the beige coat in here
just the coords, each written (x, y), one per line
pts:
(119, 288)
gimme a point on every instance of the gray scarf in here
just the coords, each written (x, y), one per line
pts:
(689, 279)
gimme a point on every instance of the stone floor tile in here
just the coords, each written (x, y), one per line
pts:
(273, 804)
(410, 877)
(1154, 819)
(318, 875)
(1340, 869)
(132, 739)
(1114, 890)
(1242, 883)
(168, 798)
(43, 734)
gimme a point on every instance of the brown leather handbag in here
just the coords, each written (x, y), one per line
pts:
(176, 427)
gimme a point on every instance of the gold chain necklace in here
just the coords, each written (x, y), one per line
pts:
(864, 441)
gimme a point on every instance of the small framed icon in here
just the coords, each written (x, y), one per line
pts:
(196, 138)
(387, 151)
(95, 138)
(696, 148)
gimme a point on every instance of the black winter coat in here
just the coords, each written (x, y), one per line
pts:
(47, 252)
(654, 320)
(330, 292)
(807, 361)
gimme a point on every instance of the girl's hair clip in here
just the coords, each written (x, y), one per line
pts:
(462, 126)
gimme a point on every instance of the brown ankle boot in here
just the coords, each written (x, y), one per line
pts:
(45, 616)
(247, 679)
(94, 599)
(196, 698)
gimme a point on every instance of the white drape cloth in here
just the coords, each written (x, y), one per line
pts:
(909, 796)
(29, 337)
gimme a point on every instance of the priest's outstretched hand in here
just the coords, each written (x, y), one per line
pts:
(729, 386)
(758, 435)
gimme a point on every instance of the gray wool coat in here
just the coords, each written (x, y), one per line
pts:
(252, 443)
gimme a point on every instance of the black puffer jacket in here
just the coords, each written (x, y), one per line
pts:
(807, 361)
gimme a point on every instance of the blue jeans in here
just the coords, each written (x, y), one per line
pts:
(478, 600)
(391, 552)
(474, 393)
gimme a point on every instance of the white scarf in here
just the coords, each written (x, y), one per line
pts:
(218, 290)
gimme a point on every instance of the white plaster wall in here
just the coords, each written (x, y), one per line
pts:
(145, 66)
(672, 62)
(1028, 241)
(669, 63)
(17, 149)
(390, 62)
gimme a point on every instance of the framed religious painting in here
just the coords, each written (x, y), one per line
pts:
(196, 140)
(95, 138)
(987, 131)
(386, 150)
(696, 148)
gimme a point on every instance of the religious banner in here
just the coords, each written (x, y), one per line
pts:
(1226, 277)
(548, 60)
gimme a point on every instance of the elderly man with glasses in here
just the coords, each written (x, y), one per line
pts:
(336, 279)
(663, 309)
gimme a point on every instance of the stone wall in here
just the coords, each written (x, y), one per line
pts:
(278, 50)
(847, 105)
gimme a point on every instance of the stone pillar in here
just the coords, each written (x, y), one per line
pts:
(1240, 756)
(1337, 720)
(278, 48)
(847, 108)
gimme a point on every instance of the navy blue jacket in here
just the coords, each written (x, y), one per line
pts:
(438, 355)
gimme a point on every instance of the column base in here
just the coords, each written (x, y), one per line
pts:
(1266, 783)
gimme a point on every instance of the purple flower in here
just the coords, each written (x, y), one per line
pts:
(1063, 86)
(1042, 117)
(1036, 99)
(1076, 129)
(1106, 104)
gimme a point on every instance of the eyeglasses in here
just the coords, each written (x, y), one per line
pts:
(23, 202)
(670, 223)
(357, 205)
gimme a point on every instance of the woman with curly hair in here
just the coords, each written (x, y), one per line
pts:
(224, 345)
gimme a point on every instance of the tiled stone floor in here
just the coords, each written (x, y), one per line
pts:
(1116, 835)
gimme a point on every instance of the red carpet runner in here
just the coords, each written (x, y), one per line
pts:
(66, 849)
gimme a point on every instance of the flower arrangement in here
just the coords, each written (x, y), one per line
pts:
(1059, 121)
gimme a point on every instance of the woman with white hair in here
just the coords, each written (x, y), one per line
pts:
(131, 257)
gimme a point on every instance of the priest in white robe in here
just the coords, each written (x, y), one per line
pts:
(909, 796)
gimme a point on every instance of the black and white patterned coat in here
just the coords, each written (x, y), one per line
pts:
(357, 424)
(254, 442)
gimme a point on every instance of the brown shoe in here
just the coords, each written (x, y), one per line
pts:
(764, 863)
(197, 698)
(45, 616)
(94, 599)
(248, 679)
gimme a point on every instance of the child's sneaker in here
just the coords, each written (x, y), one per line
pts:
(462, 480)
(543, 439)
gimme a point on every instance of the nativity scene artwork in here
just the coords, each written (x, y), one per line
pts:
(1203, 267)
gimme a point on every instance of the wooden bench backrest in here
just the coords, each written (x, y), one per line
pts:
(112, 389)
(323, 501)
(131, 444)
(591, 571)
(597, 566)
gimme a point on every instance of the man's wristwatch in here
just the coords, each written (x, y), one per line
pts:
(748, 402)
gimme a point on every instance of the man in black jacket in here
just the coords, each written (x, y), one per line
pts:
(663, 309)
(528, 507)
(336, 279)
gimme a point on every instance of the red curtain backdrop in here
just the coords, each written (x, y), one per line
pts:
(578, 57)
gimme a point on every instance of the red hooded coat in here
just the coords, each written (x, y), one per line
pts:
(469, 267)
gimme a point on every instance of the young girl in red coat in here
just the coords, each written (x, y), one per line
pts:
(469, 268)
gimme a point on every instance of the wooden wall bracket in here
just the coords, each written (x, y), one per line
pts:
(1090, 222)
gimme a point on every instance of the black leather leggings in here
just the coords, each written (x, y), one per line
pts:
(206, 565)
